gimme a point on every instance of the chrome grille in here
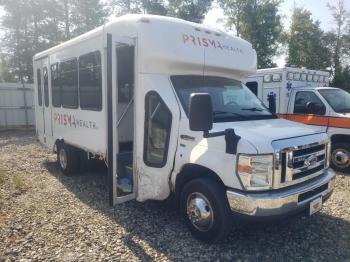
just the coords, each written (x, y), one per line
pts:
(298, 164)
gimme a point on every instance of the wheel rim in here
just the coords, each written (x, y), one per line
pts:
(63, 158)
(200, 212)
(341, 157)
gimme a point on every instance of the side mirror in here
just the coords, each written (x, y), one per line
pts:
(200, 112)
(315, 108)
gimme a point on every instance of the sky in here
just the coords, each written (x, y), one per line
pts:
(318, 8)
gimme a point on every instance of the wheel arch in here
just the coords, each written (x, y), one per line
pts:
(193, 171)
(57, 142)
(340, 138)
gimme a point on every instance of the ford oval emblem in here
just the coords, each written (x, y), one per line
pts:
(310, 161)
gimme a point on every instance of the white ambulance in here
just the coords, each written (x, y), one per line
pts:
(304, 96)
(160, 100)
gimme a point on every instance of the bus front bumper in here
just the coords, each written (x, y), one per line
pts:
(282, 201)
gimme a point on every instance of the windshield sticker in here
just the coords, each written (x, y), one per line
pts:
(73, 122)
(209, 43)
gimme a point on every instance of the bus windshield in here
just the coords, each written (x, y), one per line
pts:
(338, 99)
(232, 101)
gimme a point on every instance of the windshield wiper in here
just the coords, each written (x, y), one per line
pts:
(215, 113)
(253, 109)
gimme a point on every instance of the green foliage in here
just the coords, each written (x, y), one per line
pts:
(338, 43)
(32, 26)
(20, 184)
(86, 15)
(307, 43)
(259, 23)
(342, 79)
(189, 10)
(154, 7)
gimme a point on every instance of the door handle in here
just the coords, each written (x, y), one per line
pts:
(187, 137)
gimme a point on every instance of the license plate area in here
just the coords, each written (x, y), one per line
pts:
(315, 205)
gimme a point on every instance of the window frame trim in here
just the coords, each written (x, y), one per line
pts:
(48, 92)
(40, 98)
(167, 142)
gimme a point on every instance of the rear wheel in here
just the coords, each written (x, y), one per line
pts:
(68, 159)
(340, 157)
(205, 209)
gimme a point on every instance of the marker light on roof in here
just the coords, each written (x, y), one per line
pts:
(309, 77)
(144, 20)
(267, 78)
(290, 76)
(297, 76)
(197, 29)
(303, 77)
(276, 77)
(316, 78)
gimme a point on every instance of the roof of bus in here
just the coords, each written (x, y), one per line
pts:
(325, 87)
(315, 87)
(293, 69)
(130, 19)
(175, 45)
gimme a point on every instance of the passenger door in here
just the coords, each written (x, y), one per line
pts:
(46, 102)
(116, 172)
(306, 107)
(39, 117)
(43, 115)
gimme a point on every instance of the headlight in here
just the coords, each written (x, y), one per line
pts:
(255, 171)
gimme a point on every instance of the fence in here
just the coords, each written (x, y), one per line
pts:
(16, 105)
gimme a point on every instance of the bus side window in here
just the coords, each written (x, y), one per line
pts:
(40, 95)
(253, 86)
(46, 86)
(125, 67)
(55, 86)
(69, 83)
(157, 131)
(90, 81)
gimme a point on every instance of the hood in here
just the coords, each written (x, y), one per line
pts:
(261, 133)
(345, 115)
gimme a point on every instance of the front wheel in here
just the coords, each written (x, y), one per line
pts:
(340, 157)
(205, 209)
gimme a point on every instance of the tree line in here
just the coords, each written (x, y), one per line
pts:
(32, 26)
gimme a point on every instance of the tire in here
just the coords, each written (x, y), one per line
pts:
(68, 159)
(340, 157)
(218, 225)
(84, 162)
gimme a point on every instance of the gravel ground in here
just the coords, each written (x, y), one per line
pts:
(45, 215)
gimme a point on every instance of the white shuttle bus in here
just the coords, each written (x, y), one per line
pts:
(161, 101)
